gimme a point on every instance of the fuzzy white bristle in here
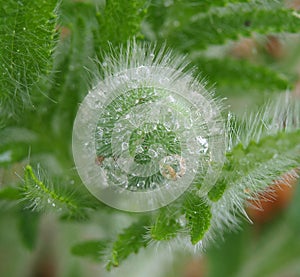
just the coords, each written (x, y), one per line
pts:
(146, 93)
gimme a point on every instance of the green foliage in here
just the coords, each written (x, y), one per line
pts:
(129, 241)
(119, 21)
(87, 31)
(40, 195)
(27, 31)
(266, 147)
(261, 148)
(166, 14)
(232, 76)
(70, 73)
(247, 160)
(165, 226)
(93, 249)
(198, 215)
(217, 191)
(231, 23)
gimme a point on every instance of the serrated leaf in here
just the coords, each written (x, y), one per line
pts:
(164, 14)
(27, 31)
(165, 226)
(262, 162)
(268, 147)
(73, 61)
(198, 216)
(40, 194)
(217, 191)
(232, 76)
(93, 249)
(119, 21)
(215, 27)
(129, 241)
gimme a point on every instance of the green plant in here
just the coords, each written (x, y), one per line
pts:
(54, 53)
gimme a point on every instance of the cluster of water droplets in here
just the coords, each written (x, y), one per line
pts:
(143, 134)
(146, 141)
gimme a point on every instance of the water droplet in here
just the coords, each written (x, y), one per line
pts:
(125, 146)
(87, 144)
(119, 109)
(139, 149)
(107, 141)
(141, 184)
(152, 153)
(153, 185)
(172, 167)
(168, 126)
(203, 144)
(99, 132)
(171, 99)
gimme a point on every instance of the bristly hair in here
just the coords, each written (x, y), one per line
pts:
(136, 86)
(262, 149)
(38, 194)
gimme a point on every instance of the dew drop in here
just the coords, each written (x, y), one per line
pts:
(172, 167)
(152, 153)
(203, 144)
(139, 149)
(153, 185)
(125, 146)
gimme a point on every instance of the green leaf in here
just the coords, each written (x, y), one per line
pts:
(119, 21)
(265, 160)
(166, 226)
(198, 216)
(217, 26)
(27, 31)
(28, 228)
(217, 191)
(161, 14)
(232, 76)
(268, 147)
(93, 249)
(39, 194)
(73, 61)
(129, 241)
